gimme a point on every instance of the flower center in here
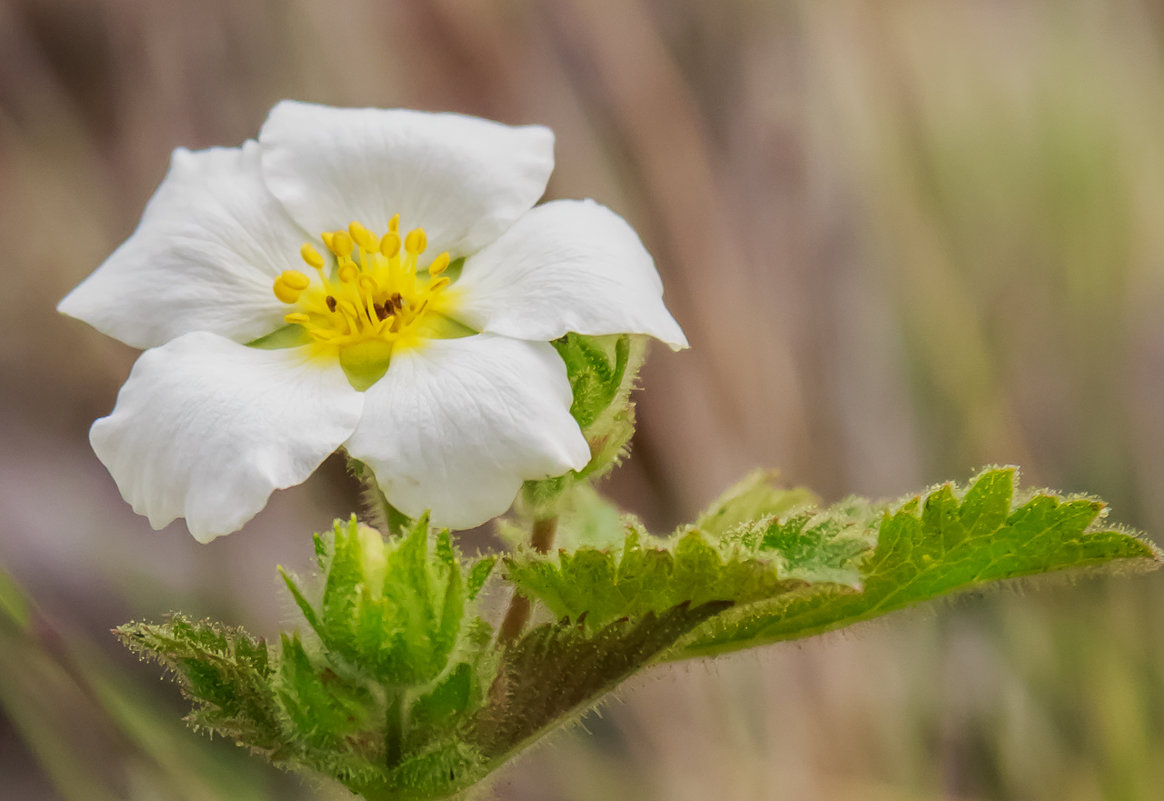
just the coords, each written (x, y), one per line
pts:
(378, 296)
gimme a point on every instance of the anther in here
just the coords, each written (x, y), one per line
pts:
(368, 284)
(416, 241)
(296, 317)
(439, 264)
(311, 256)
(295, 279)
(363, 238)
(348, 272)
(381, 312)
(439, 284)
(394, 224)
(331, 303)
(390, 244)
(284, 292)
(341, 244)
(290, 285)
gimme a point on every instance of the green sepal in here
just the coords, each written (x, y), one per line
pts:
(602, 372)
(291, 335)
(322, 708)
(392, 607)
(596, 373)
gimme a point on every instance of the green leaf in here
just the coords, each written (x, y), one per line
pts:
(587, 518)
(442, 705)
(946, 541)
(479, 573)
(815, 546)
(649, 575)
(756, 497)
(558, 670)
(409, 695)
(225, 671)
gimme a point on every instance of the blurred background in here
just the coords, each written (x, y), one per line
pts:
(906, 240)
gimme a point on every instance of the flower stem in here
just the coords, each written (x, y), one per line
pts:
(394, 728)
(542, 540)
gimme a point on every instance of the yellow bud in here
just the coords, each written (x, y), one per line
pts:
(311, 256)
(363, 238)
(416, 241)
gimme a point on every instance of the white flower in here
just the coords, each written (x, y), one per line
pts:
(435, 372)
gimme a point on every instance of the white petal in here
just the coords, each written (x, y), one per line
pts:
(569, 265)
(463, 179)
(203, 258)
(206, 429)
(456, 425)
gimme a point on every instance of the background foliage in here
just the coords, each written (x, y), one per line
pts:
(906, 240)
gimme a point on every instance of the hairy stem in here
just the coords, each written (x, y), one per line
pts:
(394, 728)
(542, 539)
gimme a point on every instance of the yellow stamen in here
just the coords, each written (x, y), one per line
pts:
(341, 244)
(364, 304)
(311, 256)
(290, 285)
(360, 234)
(295, 279)
(390, 245)
(416, 241)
